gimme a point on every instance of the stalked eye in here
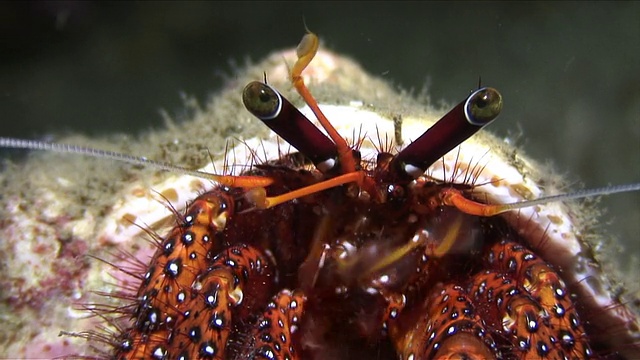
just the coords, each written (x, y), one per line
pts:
(482, 106)
(275, 111)
(261, 100)
(464, 120)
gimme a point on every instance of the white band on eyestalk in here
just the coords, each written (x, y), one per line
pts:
(279, 109)
(326, 165)
(467, 115)
(413, 171)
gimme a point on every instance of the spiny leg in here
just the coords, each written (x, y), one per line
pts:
(166, 288)
(447, 327)
(551, 310)
(275, 336)
(190, 270)
(238, 282)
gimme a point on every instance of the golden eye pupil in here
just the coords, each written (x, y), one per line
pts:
(264, 96)
(482, 102)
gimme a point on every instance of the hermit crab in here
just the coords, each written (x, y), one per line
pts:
(405, 240)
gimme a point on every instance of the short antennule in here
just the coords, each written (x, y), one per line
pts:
(239, 181)
(306, 51)
(455, 198)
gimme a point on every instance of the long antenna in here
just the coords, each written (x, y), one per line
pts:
(240, 181)
(580, 194)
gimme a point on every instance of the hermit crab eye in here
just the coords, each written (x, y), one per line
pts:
(262, 101)
(275, 111)
(482, 106)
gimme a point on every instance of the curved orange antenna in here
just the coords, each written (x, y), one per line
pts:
(450, 239)
(261, 201)
(306, 50)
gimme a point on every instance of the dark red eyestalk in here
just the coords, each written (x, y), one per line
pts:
(464, 120)
(268, 105)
